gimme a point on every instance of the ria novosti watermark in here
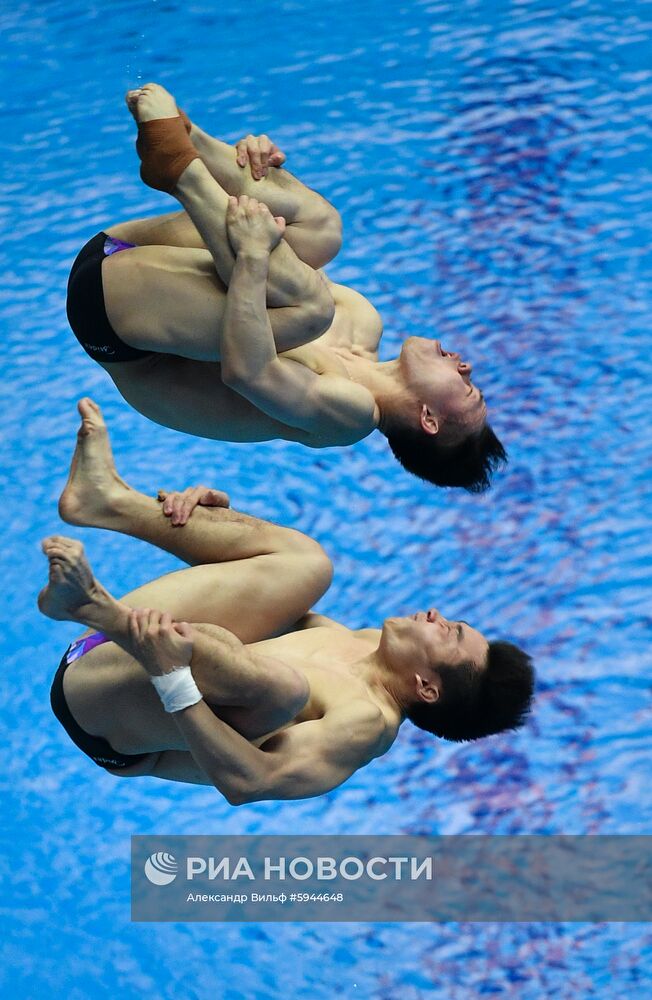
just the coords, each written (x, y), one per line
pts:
(161, 868)
(393, 878)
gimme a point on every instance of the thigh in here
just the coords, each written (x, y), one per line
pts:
(170, 300)
(165, 299)
(254, 598)
(111, 696)
(174, 229)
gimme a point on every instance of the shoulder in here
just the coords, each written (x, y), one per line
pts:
(368, 733)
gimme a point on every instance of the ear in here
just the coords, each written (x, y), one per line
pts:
(427, 691)
(428, 421)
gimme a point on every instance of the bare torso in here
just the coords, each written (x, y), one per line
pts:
(326, 653)
(190, 396)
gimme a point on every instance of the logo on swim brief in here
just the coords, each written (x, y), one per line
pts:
(161, 868)
(103, 349)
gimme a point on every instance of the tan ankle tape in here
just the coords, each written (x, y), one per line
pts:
(165, 151)
(187, 124)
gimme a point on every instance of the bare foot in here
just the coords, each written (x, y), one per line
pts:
(151, 102)
(163, 145)
(132, 96)
(93, 485)
(71, 585)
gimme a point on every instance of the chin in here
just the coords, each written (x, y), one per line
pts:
(413, 342)
(389, 629)
(425, 345)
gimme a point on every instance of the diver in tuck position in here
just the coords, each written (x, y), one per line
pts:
(218, 322)
(258, 696)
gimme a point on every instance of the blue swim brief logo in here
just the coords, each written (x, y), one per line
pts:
(161, 868)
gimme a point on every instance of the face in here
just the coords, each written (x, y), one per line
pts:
(442, 381)
(421, 642)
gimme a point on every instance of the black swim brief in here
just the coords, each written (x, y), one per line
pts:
(96, 747)
(85, 303)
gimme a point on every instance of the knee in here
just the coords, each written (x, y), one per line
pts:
(316, 573)
(319, 570)
(332, 234)
(328, 224)
(322, 567)
(313, 563)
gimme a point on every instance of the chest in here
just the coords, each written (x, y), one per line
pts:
(326, 657)
(319, 357)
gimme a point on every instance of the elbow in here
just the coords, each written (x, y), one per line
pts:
(235, 796)
(244, 790)
(235, 799)
(233, 377)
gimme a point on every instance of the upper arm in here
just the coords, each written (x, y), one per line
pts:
(179, 765)
(314, 757)
(292, 393)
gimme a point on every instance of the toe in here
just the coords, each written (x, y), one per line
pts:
(89, 408)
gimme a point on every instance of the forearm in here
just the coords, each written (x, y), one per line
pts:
(237, 769)
(247, 344)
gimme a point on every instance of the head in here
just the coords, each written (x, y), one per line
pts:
(438, 428)
(454, 682)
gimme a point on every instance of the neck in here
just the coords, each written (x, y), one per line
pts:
(387, 686)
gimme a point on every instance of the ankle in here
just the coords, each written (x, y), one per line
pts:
(220, 159)
(101, 612)
(124, 507)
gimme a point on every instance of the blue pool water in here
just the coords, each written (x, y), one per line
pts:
(491, 161)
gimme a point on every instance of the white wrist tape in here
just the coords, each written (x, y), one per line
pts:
(177, 690)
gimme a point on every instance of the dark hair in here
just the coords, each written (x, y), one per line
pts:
(477, 703)
(468, 464)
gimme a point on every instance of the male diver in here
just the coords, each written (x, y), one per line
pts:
(217, 321)
(232, 681)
